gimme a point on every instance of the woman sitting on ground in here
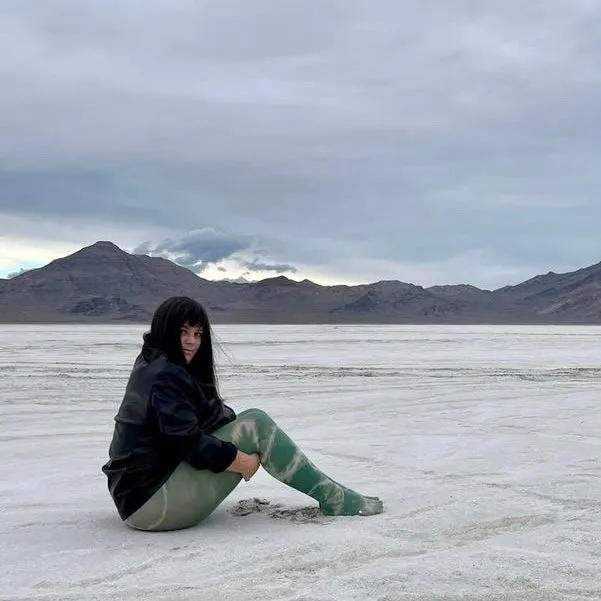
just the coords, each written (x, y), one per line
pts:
(178, 451)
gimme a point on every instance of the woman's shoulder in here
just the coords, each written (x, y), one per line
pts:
(165, 371)
(157, 368)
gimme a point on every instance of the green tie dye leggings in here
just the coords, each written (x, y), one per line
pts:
(189, 496)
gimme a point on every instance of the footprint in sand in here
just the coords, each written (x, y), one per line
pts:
(278, 511)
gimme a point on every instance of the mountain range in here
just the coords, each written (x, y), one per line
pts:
(102, 283)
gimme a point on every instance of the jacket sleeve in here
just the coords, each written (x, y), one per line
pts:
(229, 413)
(179, 428)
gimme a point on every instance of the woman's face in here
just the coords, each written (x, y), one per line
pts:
(191, 337)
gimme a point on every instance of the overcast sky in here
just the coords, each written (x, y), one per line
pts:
(456, 141)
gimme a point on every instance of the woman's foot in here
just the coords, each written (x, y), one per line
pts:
(352, 503)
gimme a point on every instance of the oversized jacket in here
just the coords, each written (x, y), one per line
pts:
(164, 419)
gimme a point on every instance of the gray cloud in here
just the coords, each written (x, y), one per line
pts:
(14, 274)
(262, 266)
(377, 139)
(198, 249)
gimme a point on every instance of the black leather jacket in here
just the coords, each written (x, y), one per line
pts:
(164, 419)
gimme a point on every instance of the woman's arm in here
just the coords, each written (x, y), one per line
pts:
(179, 428)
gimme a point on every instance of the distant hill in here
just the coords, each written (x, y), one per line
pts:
(102, 283)
(575, 295)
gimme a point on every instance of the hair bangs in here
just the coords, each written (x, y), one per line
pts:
(191, 313)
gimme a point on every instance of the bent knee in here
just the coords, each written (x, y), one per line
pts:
(255, 414)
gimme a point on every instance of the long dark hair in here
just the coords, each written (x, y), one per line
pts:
(165, 336)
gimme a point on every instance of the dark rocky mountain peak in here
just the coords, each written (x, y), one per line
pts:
(280, 280)
(103, 245)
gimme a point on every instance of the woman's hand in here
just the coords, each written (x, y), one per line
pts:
(245, 464)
